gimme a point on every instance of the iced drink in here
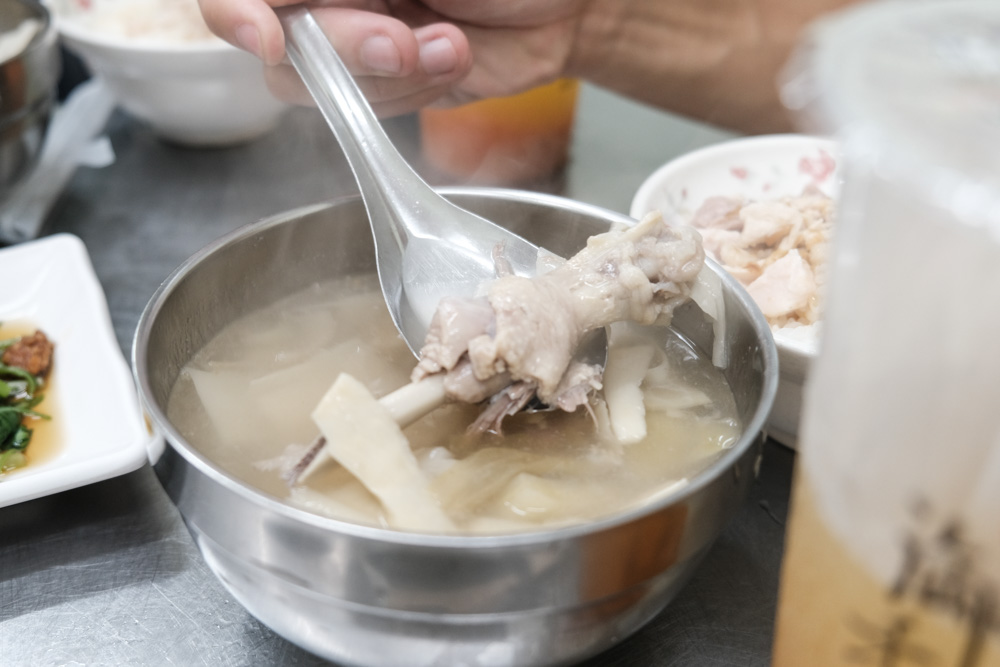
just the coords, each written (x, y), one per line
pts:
(893, 552)
(502, 141)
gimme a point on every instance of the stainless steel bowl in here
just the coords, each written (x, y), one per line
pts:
(27, 92)
(366, 596)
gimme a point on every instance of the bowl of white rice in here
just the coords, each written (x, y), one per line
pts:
(764, 206)
(165, 68)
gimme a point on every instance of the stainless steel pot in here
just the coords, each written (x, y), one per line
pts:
(366, 596)
(27, 92)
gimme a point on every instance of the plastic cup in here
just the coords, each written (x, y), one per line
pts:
(893, 551)
(512, 140)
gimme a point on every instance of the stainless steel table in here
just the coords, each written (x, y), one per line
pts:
(107, 574)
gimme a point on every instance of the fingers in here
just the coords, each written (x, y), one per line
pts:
(397, 69)
(286, 85)
(248, 24)
(252, 25)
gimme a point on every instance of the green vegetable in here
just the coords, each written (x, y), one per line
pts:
(21, 438)
(8, 371)
(17, 387)
(10, 421)
(19, 395)
(11, 459)
(26, 405)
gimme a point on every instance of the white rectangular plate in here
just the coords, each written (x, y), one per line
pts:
(52, 285)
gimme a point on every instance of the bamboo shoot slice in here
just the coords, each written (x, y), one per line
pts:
(362, 436)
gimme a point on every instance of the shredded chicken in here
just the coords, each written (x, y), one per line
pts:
(777, 249)
(525, 332)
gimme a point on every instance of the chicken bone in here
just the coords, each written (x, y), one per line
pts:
(640, 273)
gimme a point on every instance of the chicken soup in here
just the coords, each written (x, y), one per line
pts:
(500, 427)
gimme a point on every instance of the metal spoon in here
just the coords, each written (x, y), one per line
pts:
(426, 247)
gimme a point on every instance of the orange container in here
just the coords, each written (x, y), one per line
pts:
(502, 141)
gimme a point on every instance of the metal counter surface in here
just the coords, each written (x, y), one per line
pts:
(107, 574)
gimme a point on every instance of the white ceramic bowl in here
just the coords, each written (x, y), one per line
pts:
(755, 168)
(196, 93)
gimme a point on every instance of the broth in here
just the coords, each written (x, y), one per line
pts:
(245, 402)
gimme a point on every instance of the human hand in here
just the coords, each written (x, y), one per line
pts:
(713, 60)
(405, 54)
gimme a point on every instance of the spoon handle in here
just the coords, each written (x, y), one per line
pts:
(426, 247)
(386, 180)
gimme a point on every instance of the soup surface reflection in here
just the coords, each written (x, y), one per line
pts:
(245, 402)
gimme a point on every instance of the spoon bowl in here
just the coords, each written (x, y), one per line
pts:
(425, 246)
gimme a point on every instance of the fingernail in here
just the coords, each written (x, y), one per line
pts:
(249, 39)
(381, 55)
(438, 56)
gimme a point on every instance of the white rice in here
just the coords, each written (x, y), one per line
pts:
(165, 21)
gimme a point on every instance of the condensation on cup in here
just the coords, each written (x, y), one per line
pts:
(893, 551)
